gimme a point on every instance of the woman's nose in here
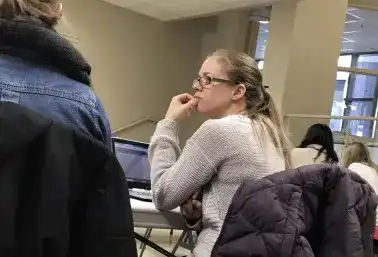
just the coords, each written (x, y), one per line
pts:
(196, 86)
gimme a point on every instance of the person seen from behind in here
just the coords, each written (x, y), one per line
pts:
(356, 157)
(42, 71)
(316, 147)
(243, 138)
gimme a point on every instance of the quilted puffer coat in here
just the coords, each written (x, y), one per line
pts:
(318, 210)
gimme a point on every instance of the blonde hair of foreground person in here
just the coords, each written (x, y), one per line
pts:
(259, 103)
(48, 11)
(357, 152)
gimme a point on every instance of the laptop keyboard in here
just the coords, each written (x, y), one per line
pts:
(141, 194)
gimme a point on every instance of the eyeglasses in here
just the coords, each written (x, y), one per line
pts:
(207, 80)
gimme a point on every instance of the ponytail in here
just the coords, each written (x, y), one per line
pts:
(272, 119)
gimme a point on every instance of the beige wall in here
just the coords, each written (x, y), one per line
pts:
(138, 62)
(369, 4)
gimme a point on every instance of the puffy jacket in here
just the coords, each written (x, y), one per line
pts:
(318, 210)
(62, 194)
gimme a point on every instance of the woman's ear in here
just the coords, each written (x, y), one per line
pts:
(239, 92)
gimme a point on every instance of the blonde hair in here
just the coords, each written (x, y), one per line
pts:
(48, 11)
(242, 69)
(357, 152)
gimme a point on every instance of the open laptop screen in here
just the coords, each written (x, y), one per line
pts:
(133, 157)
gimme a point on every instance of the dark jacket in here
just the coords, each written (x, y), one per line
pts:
(319, 210)
(44, 72)
(62, 194)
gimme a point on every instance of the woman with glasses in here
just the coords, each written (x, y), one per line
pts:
(244, 138)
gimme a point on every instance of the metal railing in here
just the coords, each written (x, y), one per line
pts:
(134, 124)
(330, 117)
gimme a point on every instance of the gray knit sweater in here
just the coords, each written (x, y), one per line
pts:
(217, 158)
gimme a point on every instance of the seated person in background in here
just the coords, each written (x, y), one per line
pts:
(42, 71)
(243, 139)
(316, 147)
(356, 157)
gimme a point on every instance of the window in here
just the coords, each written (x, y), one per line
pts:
(262, 39)
(355, 95)
(356, 87)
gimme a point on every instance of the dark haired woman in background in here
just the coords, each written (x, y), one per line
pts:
(316, 147)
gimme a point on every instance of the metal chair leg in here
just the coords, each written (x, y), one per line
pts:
(170, 236)
(181, 238)
(147, 235)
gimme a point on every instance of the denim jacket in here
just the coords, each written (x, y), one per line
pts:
(52, 94)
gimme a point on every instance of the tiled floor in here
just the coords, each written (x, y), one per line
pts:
(163, 239)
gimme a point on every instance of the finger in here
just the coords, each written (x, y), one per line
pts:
(195, 195)
(184, 98)
(197, 204)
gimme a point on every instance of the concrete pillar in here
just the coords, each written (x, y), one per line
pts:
(231, 33)
(301, 58)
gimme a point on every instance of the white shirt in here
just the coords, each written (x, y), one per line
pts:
(369, 174)
(306, 156)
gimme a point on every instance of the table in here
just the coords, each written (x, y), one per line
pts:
(145, 215)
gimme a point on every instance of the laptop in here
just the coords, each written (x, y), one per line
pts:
(133, 157)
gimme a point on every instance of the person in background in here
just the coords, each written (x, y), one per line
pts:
(356, 157)
(316, 147)
(42, 71)
(244, 138)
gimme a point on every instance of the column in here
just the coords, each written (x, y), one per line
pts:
(231, 32)
(301, 58)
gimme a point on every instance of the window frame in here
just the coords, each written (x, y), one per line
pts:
(353, 71)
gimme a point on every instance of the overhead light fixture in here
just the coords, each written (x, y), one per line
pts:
(358, 18)
(264, 22)
(347, 40)
(352, 31)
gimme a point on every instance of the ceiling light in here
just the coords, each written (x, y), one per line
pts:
(264, 22)
(355, 16)
(352, 21)
(351, 32)
(347, 40)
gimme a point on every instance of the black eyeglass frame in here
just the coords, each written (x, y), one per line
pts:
(211, 79)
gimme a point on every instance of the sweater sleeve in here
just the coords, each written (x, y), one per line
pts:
(175, 176)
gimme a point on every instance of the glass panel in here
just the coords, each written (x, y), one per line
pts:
(260, 64)
(368, 61)
(262, 40)
(361, 128)
(338, 105)
(360, 86)
(364, 86)
(345, 61)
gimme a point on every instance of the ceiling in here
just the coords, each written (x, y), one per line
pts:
(167, 10)
(360, 33)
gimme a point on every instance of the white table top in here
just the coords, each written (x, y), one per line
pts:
(146, 215)
(142, 206)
